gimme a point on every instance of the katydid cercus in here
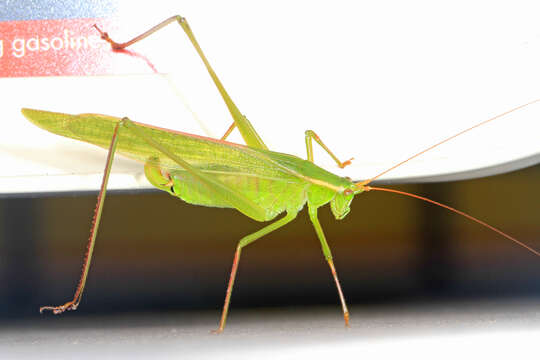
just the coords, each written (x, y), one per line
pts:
(213, 172)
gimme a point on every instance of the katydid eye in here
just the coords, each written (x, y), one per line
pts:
(347, 192)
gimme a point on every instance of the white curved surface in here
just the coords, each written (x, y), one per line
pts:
(379, 82)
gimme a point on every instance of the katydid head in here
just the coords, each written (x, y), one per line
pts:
(341, 203)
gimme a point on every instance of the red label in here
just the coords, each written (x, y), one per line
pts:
(59, 48)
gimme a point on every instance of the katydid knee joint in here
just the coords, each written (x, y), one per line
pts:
(155, 176)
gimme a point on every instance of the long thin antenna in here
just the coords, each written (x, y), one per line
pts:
(365, 182)
(368, 188)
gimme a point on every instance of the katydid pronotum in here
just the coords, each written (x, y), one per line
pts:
(214, 172)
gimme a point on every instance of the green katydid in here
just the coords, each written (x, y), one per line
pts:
(214, 172)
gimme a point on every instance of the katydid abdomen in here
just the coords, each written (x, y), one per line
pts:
(273, 195)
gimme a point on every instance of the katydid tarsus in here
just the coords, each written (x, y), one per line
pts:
(214, 172)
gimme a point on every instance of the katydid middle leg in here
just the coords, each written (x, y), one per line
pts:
(229, 131)
(328, 256)
(241, 244)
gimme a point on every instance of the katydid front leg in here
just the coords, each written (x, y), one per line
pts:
(310, 136)
(251, 137)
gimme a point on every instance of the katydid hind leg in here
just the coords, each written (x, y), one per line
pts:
(251, 137)
(217, 188)
(213, 185)
(241, 244)
(328, 256)
(74, 303)
(310, 136)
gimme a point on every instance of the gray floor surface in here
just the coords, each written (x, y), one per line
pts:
(478, 329)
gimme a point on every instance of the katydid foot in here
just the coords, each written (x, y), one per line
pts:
(70, 305)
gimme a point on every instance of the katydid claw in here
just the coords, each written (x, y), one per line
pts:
(345, 163)
(105, 36)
